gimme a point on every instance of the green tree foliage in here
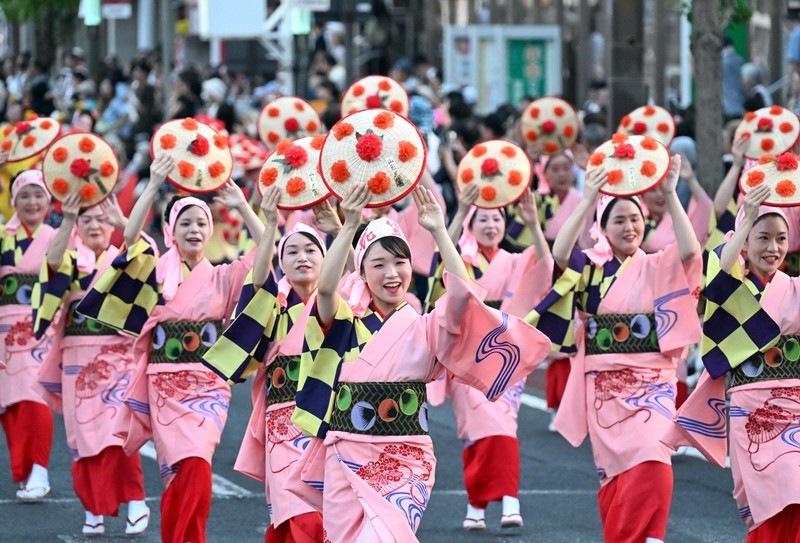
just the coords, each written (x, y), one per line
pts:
(38, 10)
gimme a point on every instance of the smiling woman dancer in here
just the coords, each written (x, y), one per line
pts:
(26, 419)
(621, 389)
(364, 368)
(267, 336)
(88, 368)
(175, 304)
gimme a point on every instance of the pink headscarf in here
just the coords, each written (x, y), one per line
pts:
(602, 251)
(283, 285)
(540, 166)
(762, 210)
(169, 271)
(467, 243)
(24, 179)
(355, 289)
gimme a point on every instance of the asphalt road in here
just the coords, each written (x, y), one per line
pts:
(557, 492)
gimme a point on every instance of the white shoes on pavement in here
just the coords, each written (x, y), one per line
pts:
(475, 519)
(36, 487)
(138, 517)
(511, 517)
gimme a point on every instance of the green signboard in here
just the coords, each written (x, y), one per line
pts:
(527, 68)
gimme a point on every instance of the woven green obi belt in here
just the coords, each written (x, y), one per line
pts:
(282, 376)
(381, 409)
(779, 362)
(621, 333)
(175, 342)
(80, 325)
(17, 288)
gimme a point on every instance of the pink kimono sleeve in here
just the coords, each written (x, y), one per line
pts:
(480, 346)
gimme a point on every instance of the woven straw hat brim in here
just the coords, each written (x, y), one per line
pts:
(784, 184)
(103, 168)
(276, 114)
(653, 121)
(550, 112)
(40, 135)
(392, 175)
(312, 190)
(781, 136)
(392, 95)
(501, 182)
(631, 176)
(208, 172)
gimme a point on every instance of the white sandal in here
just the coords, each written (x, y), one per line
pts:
(139, 525)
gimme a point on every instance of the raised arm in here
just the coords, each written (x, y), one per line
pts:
(431, 218)
(687, 174)
(568, 235)
(333, 265)
(232, 197)
(159, 169)
(682, 226)
(266, 246)
(58, 246)
(466, 198)
(733, 248)
(530, 214)
(728, 187)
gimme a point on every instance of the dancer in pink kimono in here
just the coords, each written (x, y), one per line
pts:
(24, 415)
(752, 331)
(88, 367)
(638, 313)
(267, 336)
(365, 363)
(489, 429)
(175, 305)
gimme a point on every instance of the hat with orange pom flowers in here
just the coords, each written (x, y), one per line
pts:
(635, 164)
(780, 173)
(378, 146)
(287, 118)
(375, 92)
(81, 163)
(30, 137)
(248, 154)
(203, 161)
(293, 169)
(772, 130)
(501, 170)
(552, 122)
(652, 121)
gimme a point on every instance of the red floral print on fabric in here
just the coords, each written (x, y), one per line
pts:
(280, 427)
(616, 384)
(766, 423)
(94, 378)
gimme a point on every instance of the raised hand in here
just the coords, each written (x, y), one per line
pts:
(739, 148)
(354, 203)
(673, 174)
(269, 204)
(230, 196)
(595, 179)
(755, 199)
(527, 208)
(71, 207)
(429, 214)
(112, 214)
(686, 171)
(325, 218)
(580, 154)
(160, 168)
(467, 196)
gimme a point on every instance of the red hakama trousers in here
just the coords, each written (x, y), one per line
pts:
(556, 376)
(491, 470)
(783, 527)
(305, 528)
(104, 481)
(186, 503)
(29, 432)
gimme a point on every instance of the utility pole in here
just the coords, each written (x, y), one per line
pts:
(625, 39)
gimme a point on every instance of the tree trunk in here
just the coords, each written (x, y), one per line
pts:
(707, 52)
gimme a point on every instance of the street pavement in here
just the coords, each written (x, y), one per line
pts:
(558, 492)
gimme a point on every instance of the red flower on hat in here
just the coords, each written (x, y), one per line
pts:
(597, 158)
(342, 130)
(273, 136)
(283, 146)
(569, 130)
(625, 150)
(86, 144)
(786, 161)
(358, 90)
(45, 125)
(548, 127)
(785, 188)
(509, 151)
(648, 168)
(29, 141)
(168, 141)
(615, 176)
(406, 151)
(299, 106)
(745, 134)
(189, 124)
(639, 128)
(80, 167)
(8, 129)
(649, 143)
(514, 177)
(535, 112)
(199, 146)
(316, 142)
(312, 126)
(339, 171)
(479, 150)
(273, 111)
(467, 176)
(619, 137)
(369, 146)
(754, 178)
(767, 158)
(296, 156)
(626, 120)
(107, 168)
(22, 127)
(488, 193)
(6, 145)
(220, 142)
(550, 147)
(558, 110)
(60, 185)
(767, 144)
(374, 101)
(291, 124)
(31, 117)
(749, 116)
(663, 128)
(383, 120)
(379, 183)
(88, 191)
(649, 111)
(489, 167)
(786, 127)
(764, 124)
(185, 169)
(396, 106)
(295, 186)
(532, 135)
(776, 110)
(268, 176)
(384, 85)
(216, 169)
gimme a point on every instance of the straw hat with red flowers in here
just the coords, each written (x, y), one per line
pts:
(287, 118)
(772, 130)
(635, 164)
(652, 121)
(247, 153)
(293, 169)
(30, 137)
(781, 173)
(203, 160)
(377, 146)
(501, 169)
(81, 163)
(552, 122)
(375, 92)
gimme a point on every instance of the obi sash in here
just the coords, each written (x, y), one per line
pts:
(184, 341)
(779, 362)
(624, 333)
(17, 288)
(381, 409)
(282, 376)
